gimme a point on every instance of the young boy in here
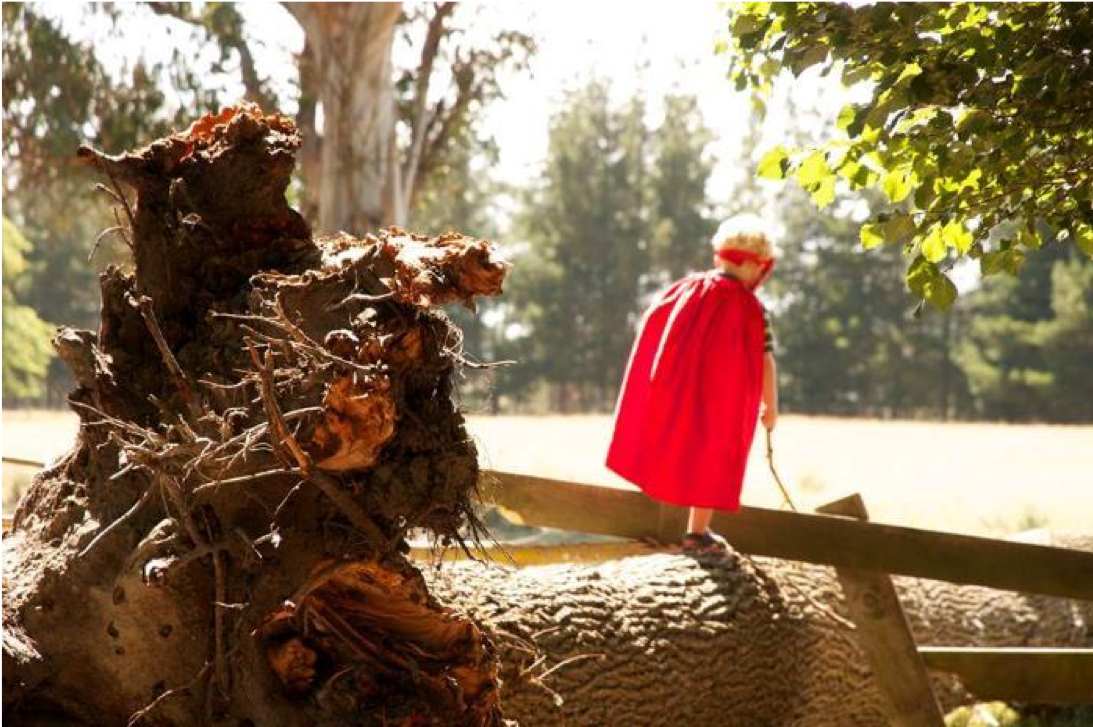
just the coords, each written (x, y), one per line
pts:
(702, 363)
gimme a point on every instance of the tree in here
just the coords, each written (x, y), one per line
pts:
(1029, 342)
(844, 328)
(60, 92)
(26, 336)
(679, 171)
(586, 224)
(976, 130)
(385, 128)
(57, 95)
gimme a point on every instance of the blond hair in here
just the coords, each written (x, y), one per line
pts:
(744, 232)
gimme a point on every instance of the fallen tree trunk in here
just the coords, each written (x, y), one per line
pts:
(263, 417)
(668, 639)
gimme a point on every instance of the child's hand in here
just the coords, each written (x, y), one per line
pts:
(770, 417)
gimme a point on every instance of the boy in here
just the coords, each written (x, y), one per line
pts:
(702, 363)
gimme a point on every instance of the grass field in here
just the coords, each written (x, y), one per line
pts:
(973, 478)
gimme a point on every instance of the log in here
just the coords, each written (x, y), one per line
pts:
(735, 640)
(263, 418)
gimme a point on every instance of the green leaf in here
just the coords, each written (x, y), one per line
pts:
(759, 105)
(909, 71)
(774, 163)
(864, 177)
(970, 182)
(1013, 260)
(919, 273)
(973, 123)
(1083, 238)
(896, 185)
(992, 262)
(940, 291)
(847, 116)
(849, 170)
(870, 236)
(899, 227)
(813, 170)
(924, 195)
(824, 194)
(1029, 238)
(933, 246)
(956, 235)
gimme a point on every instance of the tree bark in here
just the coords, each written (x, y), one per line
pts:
(733, 640)
(359, 184)
(263, 417)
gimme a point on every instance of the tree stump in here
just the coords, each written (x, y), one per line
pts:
(263, 418)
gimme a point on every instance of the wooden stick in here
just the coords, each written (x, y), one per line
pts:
(774, 472)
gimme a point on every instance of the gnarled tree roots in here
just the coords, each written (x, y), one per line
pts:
(263, 418)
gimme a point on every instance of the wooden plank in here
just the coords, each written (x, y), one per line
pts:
(24, 462)
(885, 636)
(812, 538)
(1052, 676)
(508, 554)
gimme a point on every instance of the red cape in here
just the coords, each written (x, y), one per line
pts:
(690, 398)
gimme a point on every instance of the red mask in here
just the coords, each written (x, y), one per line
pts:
(739, 257)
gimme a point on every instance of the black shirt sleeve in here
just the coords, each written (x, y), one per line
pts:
(768, 332)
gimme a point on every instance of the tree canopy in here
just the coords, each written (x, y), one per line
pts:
(26, 336)
(977, 128)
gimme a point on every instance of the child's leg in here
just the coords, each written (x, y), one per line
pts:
(699, 536)
(699, 520)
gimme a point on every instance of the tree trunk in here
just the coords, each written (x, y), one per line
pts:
(263, 416)
(668, 639)
(311, 144)
(348, 50)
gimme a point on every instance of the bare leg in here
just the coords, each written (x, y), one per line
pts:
(699, 520)
(699, 536)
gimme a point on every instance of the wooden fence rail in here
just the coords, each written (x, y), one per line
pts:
(813, 538)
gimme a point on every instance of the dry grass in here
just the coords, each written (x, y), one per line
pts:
(34, 435)
(974, 478)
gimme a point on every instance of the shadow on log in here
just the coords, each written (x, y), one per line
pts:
(263, 417)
